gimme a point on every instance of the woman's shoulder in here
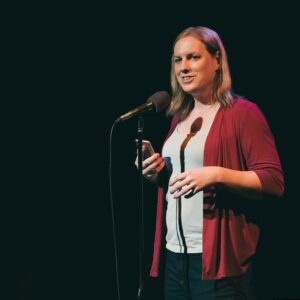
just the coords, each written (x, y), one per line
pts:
(242, 103)
(244, 108)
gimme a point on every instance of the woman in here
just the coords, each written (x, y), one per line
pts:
(219, 163)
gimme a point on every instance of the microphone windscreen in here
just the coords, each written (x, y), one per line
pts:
(160, 100)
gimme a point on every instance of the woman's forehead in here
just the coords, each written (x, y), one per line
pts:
(188, 44)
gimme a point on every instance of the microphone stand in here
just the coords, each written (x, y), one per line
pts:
(140, 132)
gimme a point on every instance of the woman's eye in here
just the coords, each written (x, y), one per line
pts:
(177, 60)
(195, 57)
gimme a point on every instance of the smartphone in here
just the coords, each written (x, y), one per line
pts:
(149, 149)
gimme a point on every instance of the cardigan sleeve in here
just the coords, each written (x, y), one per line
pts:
(260, 151)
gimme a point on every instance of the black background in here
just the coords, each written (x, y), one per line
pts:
(72, 70)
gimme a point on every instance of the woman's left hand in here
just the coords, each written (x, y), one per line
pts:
(193, 181)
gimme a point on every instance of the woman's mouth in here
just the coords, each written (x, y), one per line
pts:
(187, 79)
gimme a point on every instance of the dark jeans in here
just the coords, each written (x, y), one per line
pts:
(188, 285)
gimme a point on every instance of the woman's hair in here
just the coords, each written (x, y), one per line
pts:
(182, 103)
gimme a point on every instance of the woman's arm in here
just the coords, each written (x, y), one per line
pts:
(244, 183)
(263, 174)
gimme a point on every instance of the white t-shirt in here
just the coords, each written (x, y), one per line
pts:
(192, 208)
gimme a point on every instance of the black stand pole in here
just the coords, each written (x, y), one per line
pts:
(141, 204)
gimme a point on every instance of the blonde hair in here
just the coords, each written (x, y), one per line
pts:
(182, 103)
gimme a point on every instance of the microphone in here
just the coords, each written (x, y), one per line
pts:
(159, 100)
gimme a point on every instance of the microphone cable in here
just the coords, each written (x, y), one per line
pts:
(112, 210)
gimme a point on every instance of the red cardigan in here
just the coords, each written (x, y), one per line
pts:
(239, 139)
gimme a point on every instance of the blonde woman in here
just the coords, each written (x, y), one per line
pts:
(218, 164)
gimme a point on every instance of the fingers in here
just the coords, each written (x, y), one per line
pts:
(181, 188)
(182, 185)
(177, 178)
(150, 168)
(188, 191)
(152, 165)
(147, 161)
(150, 160)
(179, 181)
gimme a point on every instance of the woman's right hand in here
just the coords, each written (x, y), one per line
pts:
(151, 165)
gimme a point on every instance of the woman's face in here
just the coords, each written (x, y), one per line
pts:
(194, 67)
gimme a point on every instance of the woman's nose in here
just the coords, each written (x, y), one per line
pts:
(184, 66)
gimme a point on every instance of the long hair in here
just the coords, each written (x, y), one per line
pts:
(182, 103)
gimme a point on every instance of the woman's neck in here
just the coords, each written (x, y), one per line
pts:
(204, 96)
(201, 104)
